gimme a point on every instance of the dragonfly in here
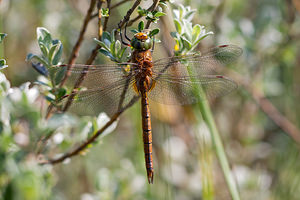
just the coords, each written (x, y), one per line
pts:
(110, 87)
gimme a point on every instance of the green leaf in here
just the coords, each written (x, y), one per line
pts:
(141, 26)
(112, 35)
(189, 15)
(3, 64)
(134, 31)
(141, 11)
(61, 92)
(162, 3)
(120, 54)
(107, 53)
(42, 32)
(2, 36)
(112, 48)
(44, 36)
(175, 35)
(105, 12)
(186, 43)
(106, 38)
(159, 14)
(52, 51)
(44, 49)
(188, 30)
(102, 44)
(154, 32)
(196, 32)
(204, 36)
(117, 46)
(31, 56)
(58, 52)
(178, 26)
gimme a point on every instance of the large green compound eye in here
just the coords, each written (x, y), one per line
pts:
(139, 44)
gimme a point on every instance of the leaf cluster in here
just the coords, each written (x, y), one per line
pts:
(187, 35)
(111, 47)
(51, 50)
(152, 16)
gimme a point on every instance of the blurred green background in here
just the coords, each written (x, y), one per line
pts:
(264, 158)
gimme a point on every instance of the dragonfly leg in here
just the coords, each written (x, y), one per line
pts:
(126, 33)
(123, 42)
(153, 43)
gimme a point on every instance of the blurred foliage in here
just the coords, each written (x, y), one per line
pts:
(264, 159)
(2, 61)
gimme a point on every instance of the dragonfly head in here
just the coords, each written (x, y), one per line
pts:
(141, 41)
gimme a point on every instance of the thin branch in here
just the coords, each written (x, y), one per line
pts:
(268, 108)
(151, 9)
(85, 144)
(129, 12)
(77, 46)
(106, 18)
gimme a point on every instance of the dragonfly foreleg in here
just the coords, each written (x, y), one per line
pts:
(121, 36)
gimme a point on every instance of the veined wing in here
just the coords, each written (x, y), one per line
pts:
(95, 75)
(105, 88)
(184, 90)
(201, 63)
(177, 78)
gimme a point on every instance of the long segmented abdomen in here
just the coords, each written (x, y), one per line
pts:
(147, 136)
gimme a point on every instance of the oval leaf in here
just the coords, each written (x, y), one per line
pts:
(154, 32)
(141, 26)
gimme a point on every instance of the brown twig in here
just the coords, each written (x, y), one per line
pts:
(151, 9)
(267, 107)
(106, 19)
(128, 14)
(84, 145)
(77, 46)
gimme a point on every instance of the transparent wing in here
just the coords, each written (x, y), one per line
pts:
(95, 75)
(184, 90)
(177, 78)
(104, 88)
(201, 63)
